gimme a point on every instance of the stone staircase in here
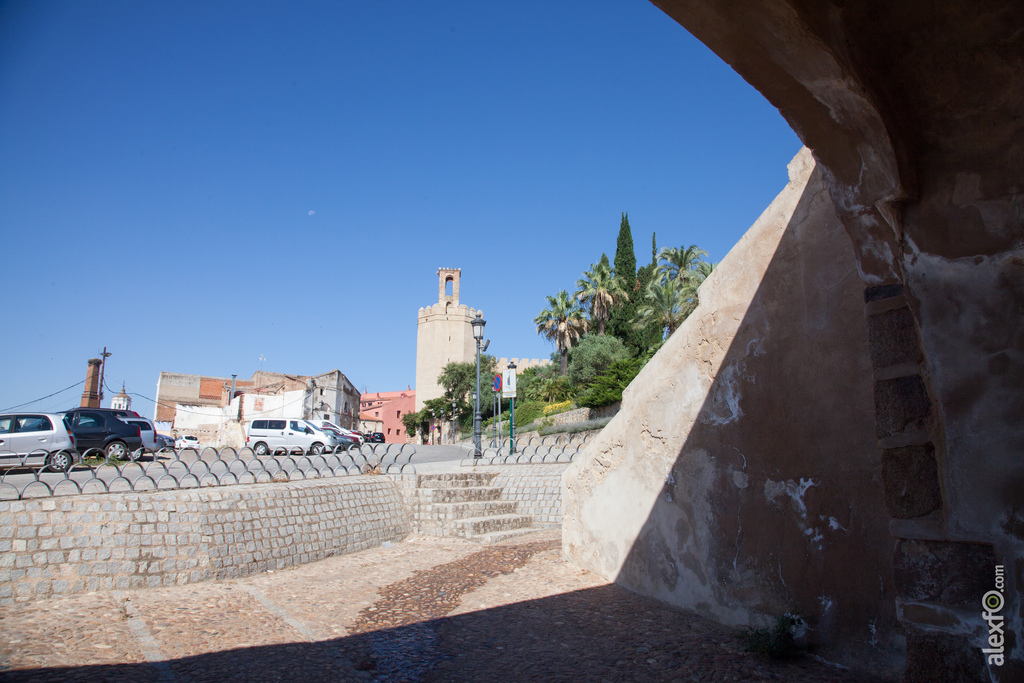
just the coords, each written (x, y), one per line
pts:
(465, 504)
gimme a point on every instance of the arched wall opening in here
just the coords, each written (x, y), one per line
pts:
(922, 156)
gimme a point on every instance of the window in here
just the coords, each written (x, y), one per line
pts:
(34, 423)
(259, 424)
(90, 421)
(398, 414)
(389, 431)
(5, 424)
(294, 424)
(376, 413)
(275, 424)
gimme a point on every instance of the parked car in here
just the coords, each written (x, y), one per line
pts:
(355, 436)
(163, 442)
(147, 430)
(269, 436)
(186, 441)
(343, 439)
(375, 437)
(96, 428)
(37, 439)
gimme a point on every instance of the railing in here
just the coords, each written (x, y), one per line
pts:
(538, 450)
(93, 472)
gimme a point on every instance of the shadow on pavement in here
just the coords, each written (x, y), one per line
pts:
(600, 634)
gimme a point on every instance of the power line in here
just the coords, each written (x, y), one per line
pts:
(7, 410)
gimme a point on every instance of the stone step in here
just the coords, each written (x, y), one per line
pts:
(453, 479)
(476, 526)
(463, 494)
(474, 508)
(498, 536)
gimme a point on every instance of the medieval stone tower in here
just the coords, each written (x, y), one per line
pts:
(443, 335)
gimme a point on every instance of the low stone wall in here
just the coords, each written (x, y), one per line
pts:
(59, 546)
(537, 489)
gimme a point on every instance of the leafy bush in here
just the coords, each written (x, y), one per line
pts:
(778, 642)
(558, 408)
(592, 356)
(528, 412)
(607, 388)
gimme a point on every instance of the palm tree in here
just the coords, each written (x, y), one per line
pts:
(599, 289)
(667, 302)
(563, 323)
(680, 262)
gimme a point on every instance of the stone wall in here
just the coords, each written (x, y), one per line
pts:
(537, 489)
(71, 544)
(740, 478)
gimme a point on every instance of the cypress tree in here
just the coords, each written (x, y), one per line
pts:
(625, 257)
(654, 249)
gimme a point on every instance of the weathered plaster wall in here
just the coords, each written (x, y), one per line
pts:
(913, 109)
(741, 476)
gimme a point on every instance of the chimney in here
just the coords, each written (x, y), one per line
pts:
(91, 395)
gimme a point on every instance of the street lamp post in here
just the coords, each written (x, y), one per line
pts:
(478, 334)
(453, 421)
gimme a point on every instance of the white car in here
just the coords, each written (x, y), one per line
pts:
(186, 441)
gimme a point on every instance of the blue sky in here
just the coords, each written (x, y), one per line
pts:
(197, 184)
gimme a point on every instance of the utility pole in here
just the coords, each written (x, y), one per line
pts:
(103, 367)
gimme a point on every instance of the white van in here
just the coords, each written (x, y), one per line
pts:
(272, 435)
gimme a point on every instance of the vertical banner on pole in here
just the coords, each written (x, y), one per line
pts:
(509, 391)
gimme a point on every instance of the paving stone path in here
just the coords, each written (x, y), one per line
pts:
(423, 611)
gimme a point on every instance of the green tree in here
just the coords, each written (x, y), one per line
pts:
(625, 257)
(531, 381)
(667, 303)
(412, 422)
(679, 263)
(599, 290)
(562, 323)
(592, 356)
(607, 387)
(459, 379)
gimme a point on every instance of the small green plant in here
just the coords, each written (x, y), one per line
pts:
(778, 642)
(575, 427)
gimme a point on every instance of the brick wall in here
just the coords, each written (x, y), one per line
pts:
(58, 546)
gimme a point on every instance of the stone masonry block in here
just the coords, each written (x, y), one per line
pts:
(892, 338)
(910, 480)
(943, 572)
(901, 405)
(942, 658)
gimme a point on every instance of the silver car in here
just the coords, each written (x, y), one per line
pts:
(37, 439)
(147, 431)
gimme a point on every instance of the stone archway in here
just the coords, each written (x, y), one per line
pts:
(914, 112)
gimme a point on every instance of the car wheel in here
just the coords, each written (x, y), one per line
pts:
(135, 455)
(260, 449)
(61, 461)
(317, 448)
(116, 450)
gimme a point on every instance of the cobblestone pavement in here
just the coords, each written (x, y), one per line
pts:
(424, 610)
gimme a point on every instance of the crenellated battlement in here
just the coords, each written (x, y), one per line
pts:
(523, 363)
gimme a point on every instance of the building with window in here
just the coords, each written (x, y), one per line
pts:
(388, 407)
(215, 409)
